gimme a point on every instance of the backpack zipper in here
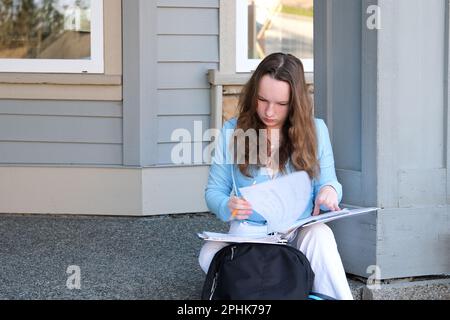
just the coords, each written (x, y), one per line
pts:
(232, 252)
(216, 276)
(214, 285)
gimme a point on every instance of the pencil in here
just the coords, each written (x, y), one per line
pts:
(235, 211)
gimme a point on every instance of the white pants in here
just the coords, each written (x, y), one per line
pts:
(316, 242)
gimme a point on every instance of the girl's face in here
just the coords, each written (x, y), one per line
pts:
(273, 102)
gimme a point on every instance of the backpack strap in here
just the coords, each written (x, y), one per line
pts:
(319, 296)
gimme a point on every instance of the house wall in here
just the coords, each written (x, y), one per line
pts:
(187, 47)
(175, 44)
(60, 132)
(66, 119)
(64, 152)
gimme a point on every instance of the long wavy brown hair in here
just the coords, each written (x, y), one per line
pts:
(299, 139)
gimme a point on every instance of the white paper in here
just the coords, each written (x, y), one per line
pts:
(280, 201)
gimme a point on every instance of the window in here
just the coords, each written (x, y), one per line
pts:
(51, 36)
(267, 26)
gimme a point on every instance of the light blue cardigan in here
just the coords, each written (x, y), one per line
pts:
(225, 178)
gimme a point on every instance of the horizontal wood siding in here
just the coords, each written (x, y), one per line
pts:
(193, 48)
(60, 153)
(188, 46)
(168, 125)
(60, 132)
(165, 153)
(188, 3)
(183, 102)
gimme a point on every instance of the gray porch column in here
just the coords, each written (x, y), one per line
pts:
(384, 95)
(413, 229)
(140, 129)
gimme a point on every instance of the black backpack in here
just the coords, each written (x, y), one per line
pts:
(253, 271)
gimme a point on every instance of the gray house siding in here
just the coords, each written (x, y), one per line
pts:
(187, 47)
(91, 133)
(60, 132)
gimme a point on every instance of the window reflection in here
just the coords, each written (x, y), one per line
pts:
(45, 29)
(280, 25)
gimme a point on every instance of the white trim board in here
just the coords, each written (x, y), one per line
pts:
(102, 191)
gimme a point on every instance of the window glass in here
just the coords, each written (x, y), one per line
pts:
(45, 29)
(280, 26)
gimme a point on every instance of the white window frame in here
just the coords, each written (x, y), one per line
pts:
(243, 63)
(93, 65)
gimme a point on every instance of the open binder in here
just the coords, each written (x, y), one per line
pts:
(280, 202)
(286, 235)
(234, 238)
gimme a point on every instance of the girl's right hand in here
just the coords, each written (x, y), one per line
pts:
(240, 208)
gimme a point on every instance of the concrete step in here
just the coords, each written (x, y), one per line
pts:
(410, 290)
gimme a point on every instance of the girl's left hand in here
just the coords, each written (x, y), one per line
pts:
(329, 198)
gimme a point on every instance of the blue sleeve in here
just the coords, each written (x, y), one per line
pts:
(326, 160)
(218, 188)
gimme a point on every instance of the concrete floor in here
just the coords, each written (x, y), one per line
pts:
(118, 258)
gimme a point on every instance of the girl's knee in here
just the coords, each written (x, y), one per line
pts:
(318, 233)
(204, 258)
(322, 231)
(207, 253)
